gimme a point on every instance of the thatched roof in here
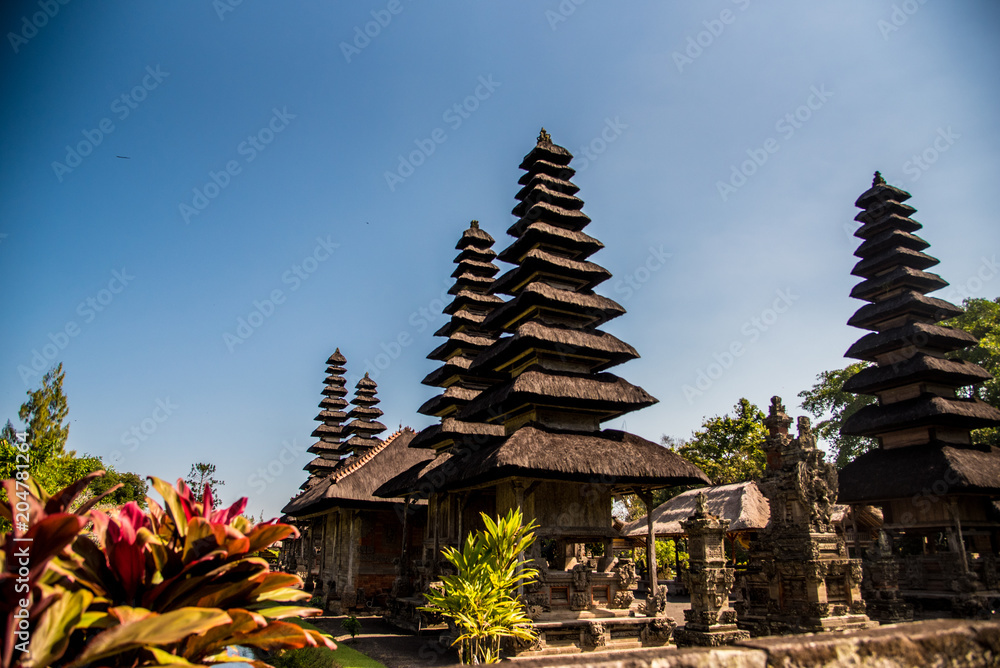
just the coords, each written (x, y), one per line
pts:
(535, 261)
(572, 219)
(474, 236)
(533, 179)
(336, 359)
(919, 368)
(557, 172)
(418, 480)
(876, 419)
(741, 503)
(896, 473)
(934, 337)
(536, 233)
(908, 303)
(532, 334)
(613, 457)
(604, 394)
(592, 309)
(353, 484)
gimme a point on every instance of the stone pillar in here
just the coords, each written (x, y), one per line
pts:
(710, 620)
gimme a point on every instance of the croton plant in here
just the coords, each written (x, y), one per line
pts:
(172, 586)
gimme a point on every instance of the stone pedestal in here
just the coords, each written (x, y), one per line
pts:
(710, 621)
(880, 586)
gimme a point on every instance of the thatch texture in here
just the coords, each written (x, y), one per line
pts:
(610, 457)
(354, 483)
(934, 337)
(880, 475)
(604, 393)
(408, 482)
(909, 303)
(925, 410)
(561, 339)
(741, 503)
(586, 305)
(538, 261)
(537, 233)
(920, 367)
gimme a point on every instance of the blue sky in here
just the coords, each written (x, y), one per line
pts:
(720, 148)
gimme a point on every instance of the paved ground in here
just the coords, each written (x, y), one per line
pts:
(397, 649)
(387, 644)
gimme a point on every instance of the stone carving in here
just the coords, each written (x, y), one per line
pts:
(709, 581)
(800, 573)
(623, 599)
(581, 577)
(624, 570)
(657, 631)
(880, 583)
(595, 635)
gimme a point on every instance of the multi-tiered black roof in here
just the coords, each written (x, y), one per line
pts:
(332, 415)
(466, 338)
(548, 386)
(921, 422)
(364, 426)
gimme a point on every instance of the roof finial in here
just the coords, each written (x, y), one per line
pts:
(474, 225)
(544, 137)
(878, 180)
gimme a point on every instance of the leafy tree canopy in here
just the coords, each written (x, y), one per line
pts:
(202, 475)
(44, 413)
(831, 405)
(728, 449)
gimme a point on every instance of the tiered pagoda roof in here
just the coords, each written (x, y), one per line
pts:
(921, 422)
(364, 425)
(549, 388)
(466, 338)
(332, 415)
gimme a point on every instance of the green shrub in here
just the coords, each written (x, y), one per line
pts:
(479, 597)
(351, 625)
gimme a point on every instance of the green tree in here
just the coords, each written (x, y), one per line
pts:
(728, 449)
(44, 413)
(982, 319)
(202, 475)
(831, 405)
(480, 597)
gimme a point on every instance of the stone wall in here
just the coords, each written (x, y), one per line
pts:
(954, 643)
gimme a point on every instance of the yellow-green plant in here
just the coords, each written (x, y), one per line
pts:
(171, 586)
(480, 598)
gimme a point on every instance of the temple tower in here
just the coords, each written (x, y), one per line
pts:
(936, 487)
(364, 425)
(801, 579)
(466, 338)
(332, 416)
